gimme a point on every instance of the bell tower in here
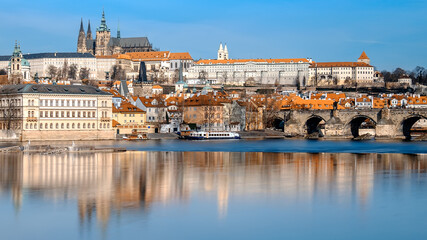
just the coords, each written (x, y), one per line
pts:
(103, 36)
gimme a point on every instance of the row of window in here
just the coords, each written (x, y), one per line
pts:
(66, 126)
(66, 114)
(65, 103)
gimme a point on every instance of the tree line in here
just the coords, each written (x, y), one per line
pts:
(418, 75)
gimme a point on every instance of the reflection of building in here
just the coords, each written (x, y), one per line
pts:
(105, 184)
(57, 112)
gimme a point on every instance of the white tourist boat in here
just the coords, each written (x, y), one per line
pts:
(194, 135)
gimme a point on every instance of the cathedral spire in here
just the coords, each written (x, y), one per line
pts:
(81, 26)
(89, 32)
(103, 26)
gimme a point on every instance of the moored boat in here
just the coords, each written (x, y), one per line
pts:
(193, 135)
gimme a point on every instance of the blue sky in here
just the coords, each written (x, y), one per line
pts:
(392, 32)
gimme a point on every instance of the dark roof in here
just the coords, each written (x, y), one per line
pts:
(54, 89)
(129, 42)
(51, 55)
(5, 58)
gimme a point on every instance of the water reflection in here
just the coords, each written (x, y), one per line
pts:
(103, 185)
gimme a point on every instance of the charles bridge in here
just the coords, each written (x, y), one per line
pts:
(388, 123)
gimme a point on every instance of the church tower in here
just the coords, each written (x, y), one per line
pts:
(81, 42)
(220, 52)
(103, 36)
(225, 52)
(19, 67)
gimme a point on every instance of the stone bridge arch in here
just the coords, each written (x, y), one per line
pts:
(408, 122)
(313, 124)
(352, 127)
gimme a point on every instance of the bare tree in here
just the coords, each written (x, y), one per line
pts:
(64, 70)
(72, 71)
(271, 110)
(52, 71)
(203, 75)
(118, 73)
(84, 73)
(10, 112)
(225, 77)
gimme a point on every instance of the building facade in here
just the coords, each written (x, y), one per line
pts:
(340, 72)
(55, 112)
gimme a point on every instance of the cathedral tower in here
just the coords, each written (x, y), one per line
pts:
(81, 42)
(103, 36)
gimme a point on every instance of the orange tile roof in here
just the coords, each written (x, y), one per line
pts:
(126, 107)
(115, 123)
(363, 56)
(157, 87)
(338, 64)
(180, 56)
(232, 61)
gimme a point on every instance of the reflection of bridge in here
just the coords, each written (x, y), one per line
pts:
(388, 123)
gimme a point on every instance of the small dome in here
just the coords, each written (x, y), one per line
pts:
(24, 62)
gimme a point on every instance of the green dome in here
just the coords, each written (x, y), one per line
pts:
(25, 63)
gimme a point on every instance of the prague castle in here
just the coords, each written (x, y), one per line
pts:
(104, 44)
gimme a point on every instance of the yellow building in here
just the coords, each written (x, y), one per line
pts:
(55, 112)
(128, 118)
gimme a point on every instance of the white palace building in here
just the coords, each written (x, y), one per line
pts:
(227, 71)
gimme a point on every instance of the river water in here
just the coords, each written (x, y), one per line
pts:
(271, 189)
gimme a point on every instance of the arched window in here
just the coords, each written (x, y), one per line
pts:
(51, 113)
(68, 126)
(93, 125)
(72, 126)
(78, 125)
(108, 125)
(45, 126)
(84, 125)
(57, 114)
(84, 114)
(78, 114)
(62, 113)
(100, 125)
(57, 126)
(73, 114)
(26, 126)
(68, 114)
(41, 125)
(62, 125)
(51, 126)
(32, 113)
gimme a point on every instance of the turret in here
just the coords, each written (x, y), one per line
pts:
(81, 42)
(220, 52)
(364, 58)
(225, 52)
(118, 30)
